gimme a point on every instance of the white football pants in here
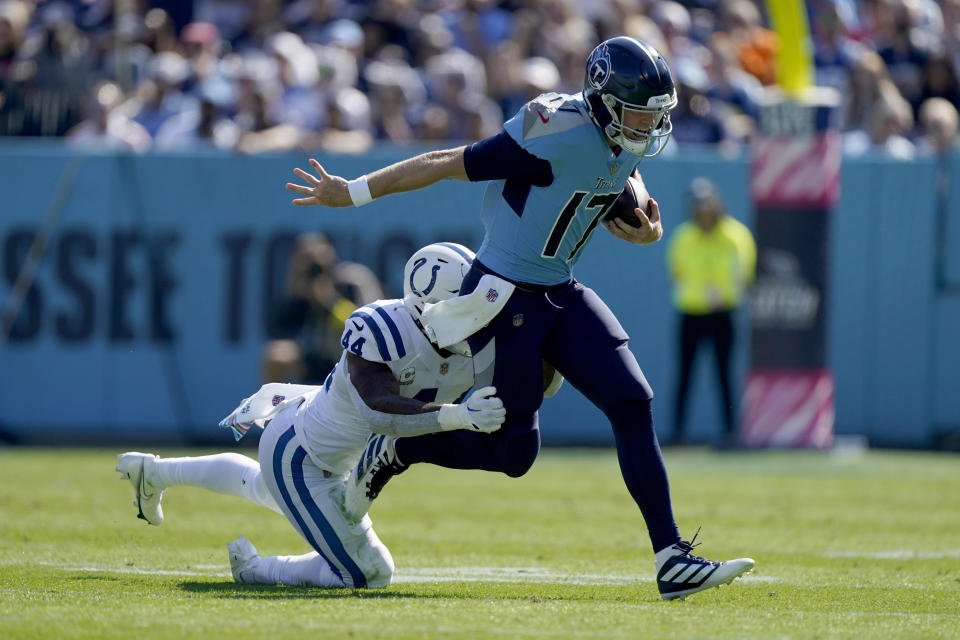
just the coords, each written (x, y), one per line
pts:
(286, 481)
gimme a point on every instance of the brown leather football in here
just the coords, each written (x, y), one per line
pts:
(634, 196)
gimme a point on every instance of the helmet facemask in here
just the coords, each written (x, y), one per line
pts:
(639, 141)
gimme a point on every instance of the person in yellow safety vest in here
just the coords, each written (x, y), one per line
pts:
(711, 261)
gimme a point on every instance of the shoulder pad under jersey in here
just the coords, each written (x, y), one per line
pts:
(373, 333)
(550, 113)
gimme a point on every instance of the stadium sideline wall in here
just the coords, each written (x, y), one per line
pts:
(107, 348)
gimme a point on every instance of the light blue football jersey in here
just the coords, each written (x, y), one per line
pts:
(541, 242)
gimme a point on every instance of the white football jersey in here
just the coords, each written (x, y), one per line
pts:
(328, 423)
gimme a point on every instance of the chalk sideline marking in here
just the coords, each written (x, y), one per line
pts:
(537, 575)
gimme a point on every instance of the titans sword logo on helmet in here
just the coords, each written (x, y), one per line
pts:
(599, 67)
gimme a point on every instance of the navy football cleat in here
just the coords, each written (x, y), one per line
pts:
(684, 573)
(377, 465)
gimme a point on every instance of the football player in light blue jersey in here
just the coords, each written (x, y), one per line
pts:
(390, 381)
(553, 172)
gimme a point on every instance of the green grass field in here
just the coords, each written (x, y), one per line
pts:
(846, 547)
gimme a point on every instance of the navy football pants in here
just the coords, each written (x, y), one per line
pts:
(571, 328)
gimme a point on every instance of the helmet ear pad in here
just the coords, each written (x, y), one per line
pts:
(598, 109)
(607, 116)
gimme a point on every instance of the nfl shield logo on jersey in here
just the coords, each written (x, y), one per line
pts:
(407, 375)
(444, 367)
(277, 400)
(492, 295)
(518, 320)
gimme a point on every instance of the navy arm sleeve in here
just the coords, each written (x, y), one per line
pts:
(499, 157)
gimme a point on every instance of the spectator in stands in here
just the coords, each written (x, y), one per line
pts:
(696, 120)
(674, 22)
(202, 47)
(205, 127)
(711, 260)
(321, 293)
(456, 82)
(903, 45)
(397, 95)
(940, 80)
(869, 82)
(951, 29)
(297, 102)
(449, 70)
(755, 45)
(938, 124)
(834, 52)
(891, 119)
(308, 18)
(161, 96)
(349, 124)
(161, 31)
(478, 26)
(265, 20)
(47, 93)
(14, 17)
(259, 131)
(128, 59)
(106, 126)
(738, 91)
(230, 16)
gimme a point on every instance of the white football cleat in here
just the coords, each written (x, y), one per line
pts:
(136, 468)
(683, 573)
(377, 465)
(243, 558)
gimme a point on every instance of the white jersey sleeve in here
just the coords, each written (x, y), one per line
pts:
(372, 334)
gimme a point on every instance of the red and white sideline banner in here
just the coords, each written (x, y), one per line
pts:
(788, 408)
(795, 172)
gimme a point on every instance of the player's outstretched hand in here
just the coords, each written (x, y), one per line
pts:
(650, 229)
(327, 190)
(483, 411)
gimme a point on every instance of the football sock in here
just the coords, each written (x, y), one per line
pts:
(643, 470)
(663, 555)
(308, 570)
(229, 473)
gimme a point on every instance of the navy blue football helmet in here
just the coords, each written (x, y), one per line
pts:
(626, 74)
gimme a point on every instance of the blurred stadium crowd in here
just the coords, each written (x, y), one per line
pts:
(340, 75)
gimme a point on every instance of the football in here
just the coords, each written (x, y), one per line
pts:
(634, 196)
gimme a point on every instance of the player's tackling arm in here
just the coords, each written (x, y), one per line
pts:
(376, 395)
(407, 175)
(380, 391)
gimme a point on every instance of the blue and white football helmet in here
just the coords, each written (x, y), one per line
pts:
(626, 74)
(435, 273)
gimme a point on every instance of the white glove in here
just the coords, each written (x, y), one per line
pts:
(483, 411)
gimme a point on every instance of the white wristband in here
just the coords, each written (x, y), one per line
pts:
(450, 417)
(359, 191)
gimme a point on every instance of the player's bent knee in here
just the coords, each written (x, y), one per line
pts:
(518, 448)
(519, 459)
(517, 469)
(377, 566)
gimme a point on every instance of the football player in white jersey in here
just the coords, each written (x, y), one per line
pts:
(390, 380)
